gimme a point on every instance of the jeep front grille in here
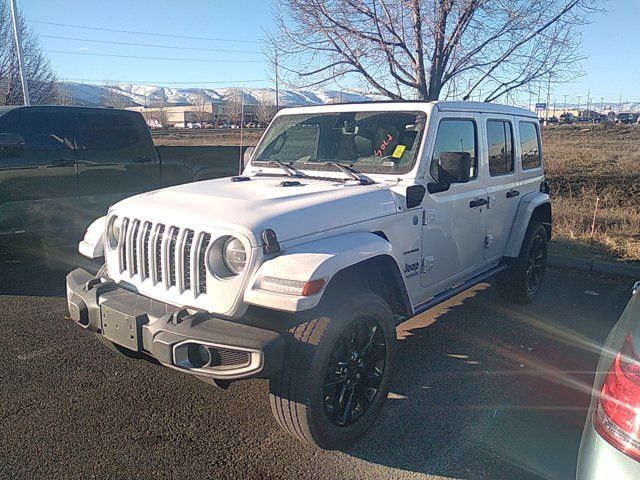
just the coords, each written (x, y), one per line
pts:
(166, 255)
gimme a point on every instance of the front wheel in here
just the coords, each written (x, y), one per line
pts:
(522, 281)
(336, 371)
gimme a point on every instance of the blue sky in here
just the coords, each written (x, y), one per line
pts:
(610, 42)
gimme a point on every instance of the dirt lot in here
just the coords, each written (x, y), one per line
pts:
(207, 137)
(583, 163)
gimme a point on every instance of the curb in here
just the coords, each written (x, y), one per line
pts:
(594, 266)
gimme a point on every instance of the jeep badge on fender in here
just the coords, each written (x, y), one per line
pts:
(347, 220)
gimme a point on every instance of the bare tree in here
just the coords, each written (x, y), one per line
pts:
(159, 112)
(111, 96)
(40, 76)
(265, 107)
(429, 49)
(63, 95)
(232, 105)
(202, 108)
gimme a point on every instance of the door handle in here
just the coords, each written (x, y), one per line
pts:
(142, 160)
(512, 193)
(63, 162)
(478, 202)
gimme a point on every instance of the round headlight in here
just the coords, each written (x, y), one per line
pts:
(113, 231)
(234, 255)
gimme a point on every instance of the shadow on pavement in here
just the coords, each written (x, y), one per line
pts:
(484, 389)
(34, 267)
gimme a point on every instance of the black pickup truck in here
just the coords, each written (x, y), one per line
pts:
(61, 167)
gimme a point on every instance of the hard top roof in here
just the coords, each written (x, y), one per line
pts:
(444, 106)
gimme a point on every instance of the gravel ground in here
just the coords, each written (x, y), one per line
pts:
(481, 390)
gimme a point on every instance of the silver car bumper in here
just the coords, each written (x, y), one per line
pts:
(599, 460)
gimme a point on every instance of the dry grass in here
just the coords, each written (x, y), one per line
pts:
(207, 137)
(586, 163)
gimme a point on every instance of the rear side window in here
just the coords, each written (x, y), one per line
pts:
(454, 136)
(43, 131)
(107, 132)
(500, 143)
(529, 145)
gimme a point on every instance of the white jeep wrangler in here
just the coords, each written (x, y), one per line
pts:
(347, 220)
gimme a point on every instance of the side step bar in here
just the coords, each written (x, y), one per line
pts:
(452, 292)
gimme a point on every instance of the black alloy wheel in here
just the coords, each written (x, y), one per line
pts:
(354, 372)
(536, 264)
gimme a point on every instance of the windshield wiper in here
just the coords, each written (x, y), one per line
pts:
(288, 169)
(351, 172)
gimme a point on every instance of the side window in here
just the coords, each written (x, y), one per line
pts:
(44, 131)
(456, 139)
(529, 145)
(500, 143)
(107, 132)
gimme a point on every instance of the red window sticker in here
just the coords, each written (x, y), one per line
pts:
(383, 145)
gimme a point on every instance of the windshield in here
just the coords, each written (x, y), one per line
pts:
(370, 142)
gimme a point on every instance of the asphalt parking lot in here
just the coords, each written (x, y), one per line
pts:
(481, 390)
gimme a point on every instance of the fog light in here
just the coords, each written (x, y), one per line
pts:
(198, 355)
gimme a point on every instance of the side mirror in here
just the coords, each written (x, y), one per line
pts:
(11, 142)
(454, 167)
(246, 156)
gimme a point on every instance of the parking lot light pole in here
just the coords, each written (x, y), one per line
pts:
(17, 34)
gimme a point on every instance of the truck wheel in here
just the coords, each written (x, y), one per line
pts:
(522, 280)
(336, 371)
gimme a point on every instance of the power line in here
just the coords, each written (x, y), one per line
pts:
(164, 82)
(139, 57)
(100, 29)
(149, 45)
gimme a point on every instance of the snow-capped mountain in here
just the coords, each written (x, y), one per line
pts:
(138, 95)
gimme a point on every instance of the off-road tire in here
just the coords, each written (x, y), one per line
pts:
(297, 392)
(515, 283)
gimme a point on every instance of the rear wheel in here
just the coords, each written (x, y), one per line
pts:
(336, 372)
(522, 281)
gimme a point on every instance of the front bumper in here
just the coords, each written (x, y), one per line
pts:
(187, 340)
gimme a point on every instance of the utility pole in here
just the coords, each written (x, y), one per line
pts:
(241, 164)
(578, 107)
(589, 103)
(17, 34)
(548, 98)
(601, 104)
(277, 83)
(564, 109)
(619, 103)
(530, 95)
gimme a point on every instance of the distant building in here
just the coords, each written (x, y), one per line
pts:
(184, 114)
